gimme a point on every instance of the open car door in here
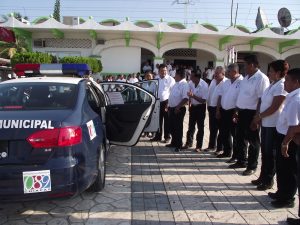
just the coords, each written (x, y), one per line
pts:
(127, 113)
(152, 87)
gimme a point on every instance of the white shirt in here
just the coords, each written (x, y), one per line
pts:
(275, 89)
(133, 80)
(155, 71)
(200, 91)
(149, 86)
(210, 74)
(173, 73)
(211, 90)
(290, 115)
(229, 93)
(178, 93)
(213, 100)
(164, 87)
(169, 67)
(251, 90)
(122, 80)
(147, 68)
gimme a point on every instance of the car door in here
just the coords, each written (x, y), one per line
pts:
(128, 111)
(152, 87)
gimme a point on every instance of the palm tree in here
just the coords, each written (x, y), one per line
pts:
(7, 50)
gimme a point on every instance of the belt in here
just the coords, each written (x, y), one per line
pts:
(198, 105)
(176, 107)
(243, 110)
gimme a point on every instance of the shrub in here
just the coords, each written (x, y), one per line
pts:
(31, 57)
(95, 64)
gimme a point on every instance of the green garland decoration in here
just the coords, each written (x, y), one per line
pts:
(93, 34)
(224, 40)
(285, 44)
(58, 33)
(192, 38)
(256, 41)
(127, 38)
(159, 38)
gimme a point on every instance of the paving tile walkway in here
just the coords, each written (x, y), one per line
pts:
(152, 184)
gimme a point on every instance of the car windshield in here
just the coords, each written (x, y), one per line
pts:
(37, 96)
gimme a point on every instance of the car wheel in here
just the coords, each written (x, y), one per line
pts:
(99, 183)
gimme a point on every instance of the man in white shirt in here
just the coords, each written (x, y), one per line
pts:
(177, 101)
(156, 69)
(292, 85)
(198, 94)
(225, 109)
(121, 78)
(286, 162)
(147, 67)
(210, 75)
(169, 66)
(133, 79)
(165, 83)
(173, 71)
(214, 123)
(251, 90)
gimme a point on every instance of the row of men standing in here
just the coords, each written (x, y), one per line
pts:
(236, 110)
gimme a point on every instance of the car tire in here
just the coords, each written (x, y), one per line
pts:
(99, 183)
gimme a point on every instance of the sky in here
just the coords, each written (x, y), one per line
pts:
(217, 12)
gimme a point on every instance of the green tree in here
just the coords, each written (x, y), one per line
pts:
(56, 13)
(31, 57)
(19, 16)
(8, 50)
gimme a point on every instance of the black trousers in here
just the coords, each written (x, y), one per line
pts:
(176, 126)
(163, 119)
(286, 170)
(197, 116)
(228, 133)
(268, 152)
(244, 136)
(214, 130)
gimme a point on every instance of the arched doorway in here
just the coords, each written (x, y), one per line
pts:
(263, 59)
(190, 57)
(147, 56)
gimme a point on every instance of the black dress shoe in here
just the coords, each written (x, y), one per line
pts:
(166, 140)
(177, 150)
(293, 221)
(273, 196)
(155, 139)
(186, 146)
(256, 182)
(248, 172)
(223, 156)
(283, 203)
(209, 149)
(170, 145)
(237, 165)
(232, 160)
(263, 187)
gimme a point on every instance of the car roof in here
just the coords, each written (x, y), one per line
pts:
(69, 80)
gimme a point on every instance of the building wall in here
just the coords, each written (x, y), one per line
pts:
(121, 60)
(264, 61)
(294, 61)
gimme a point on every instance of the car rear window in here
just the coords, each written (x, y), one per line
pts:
(37, 96)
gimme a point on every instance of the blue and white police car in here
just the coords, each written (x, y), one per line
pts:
(55, 131)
